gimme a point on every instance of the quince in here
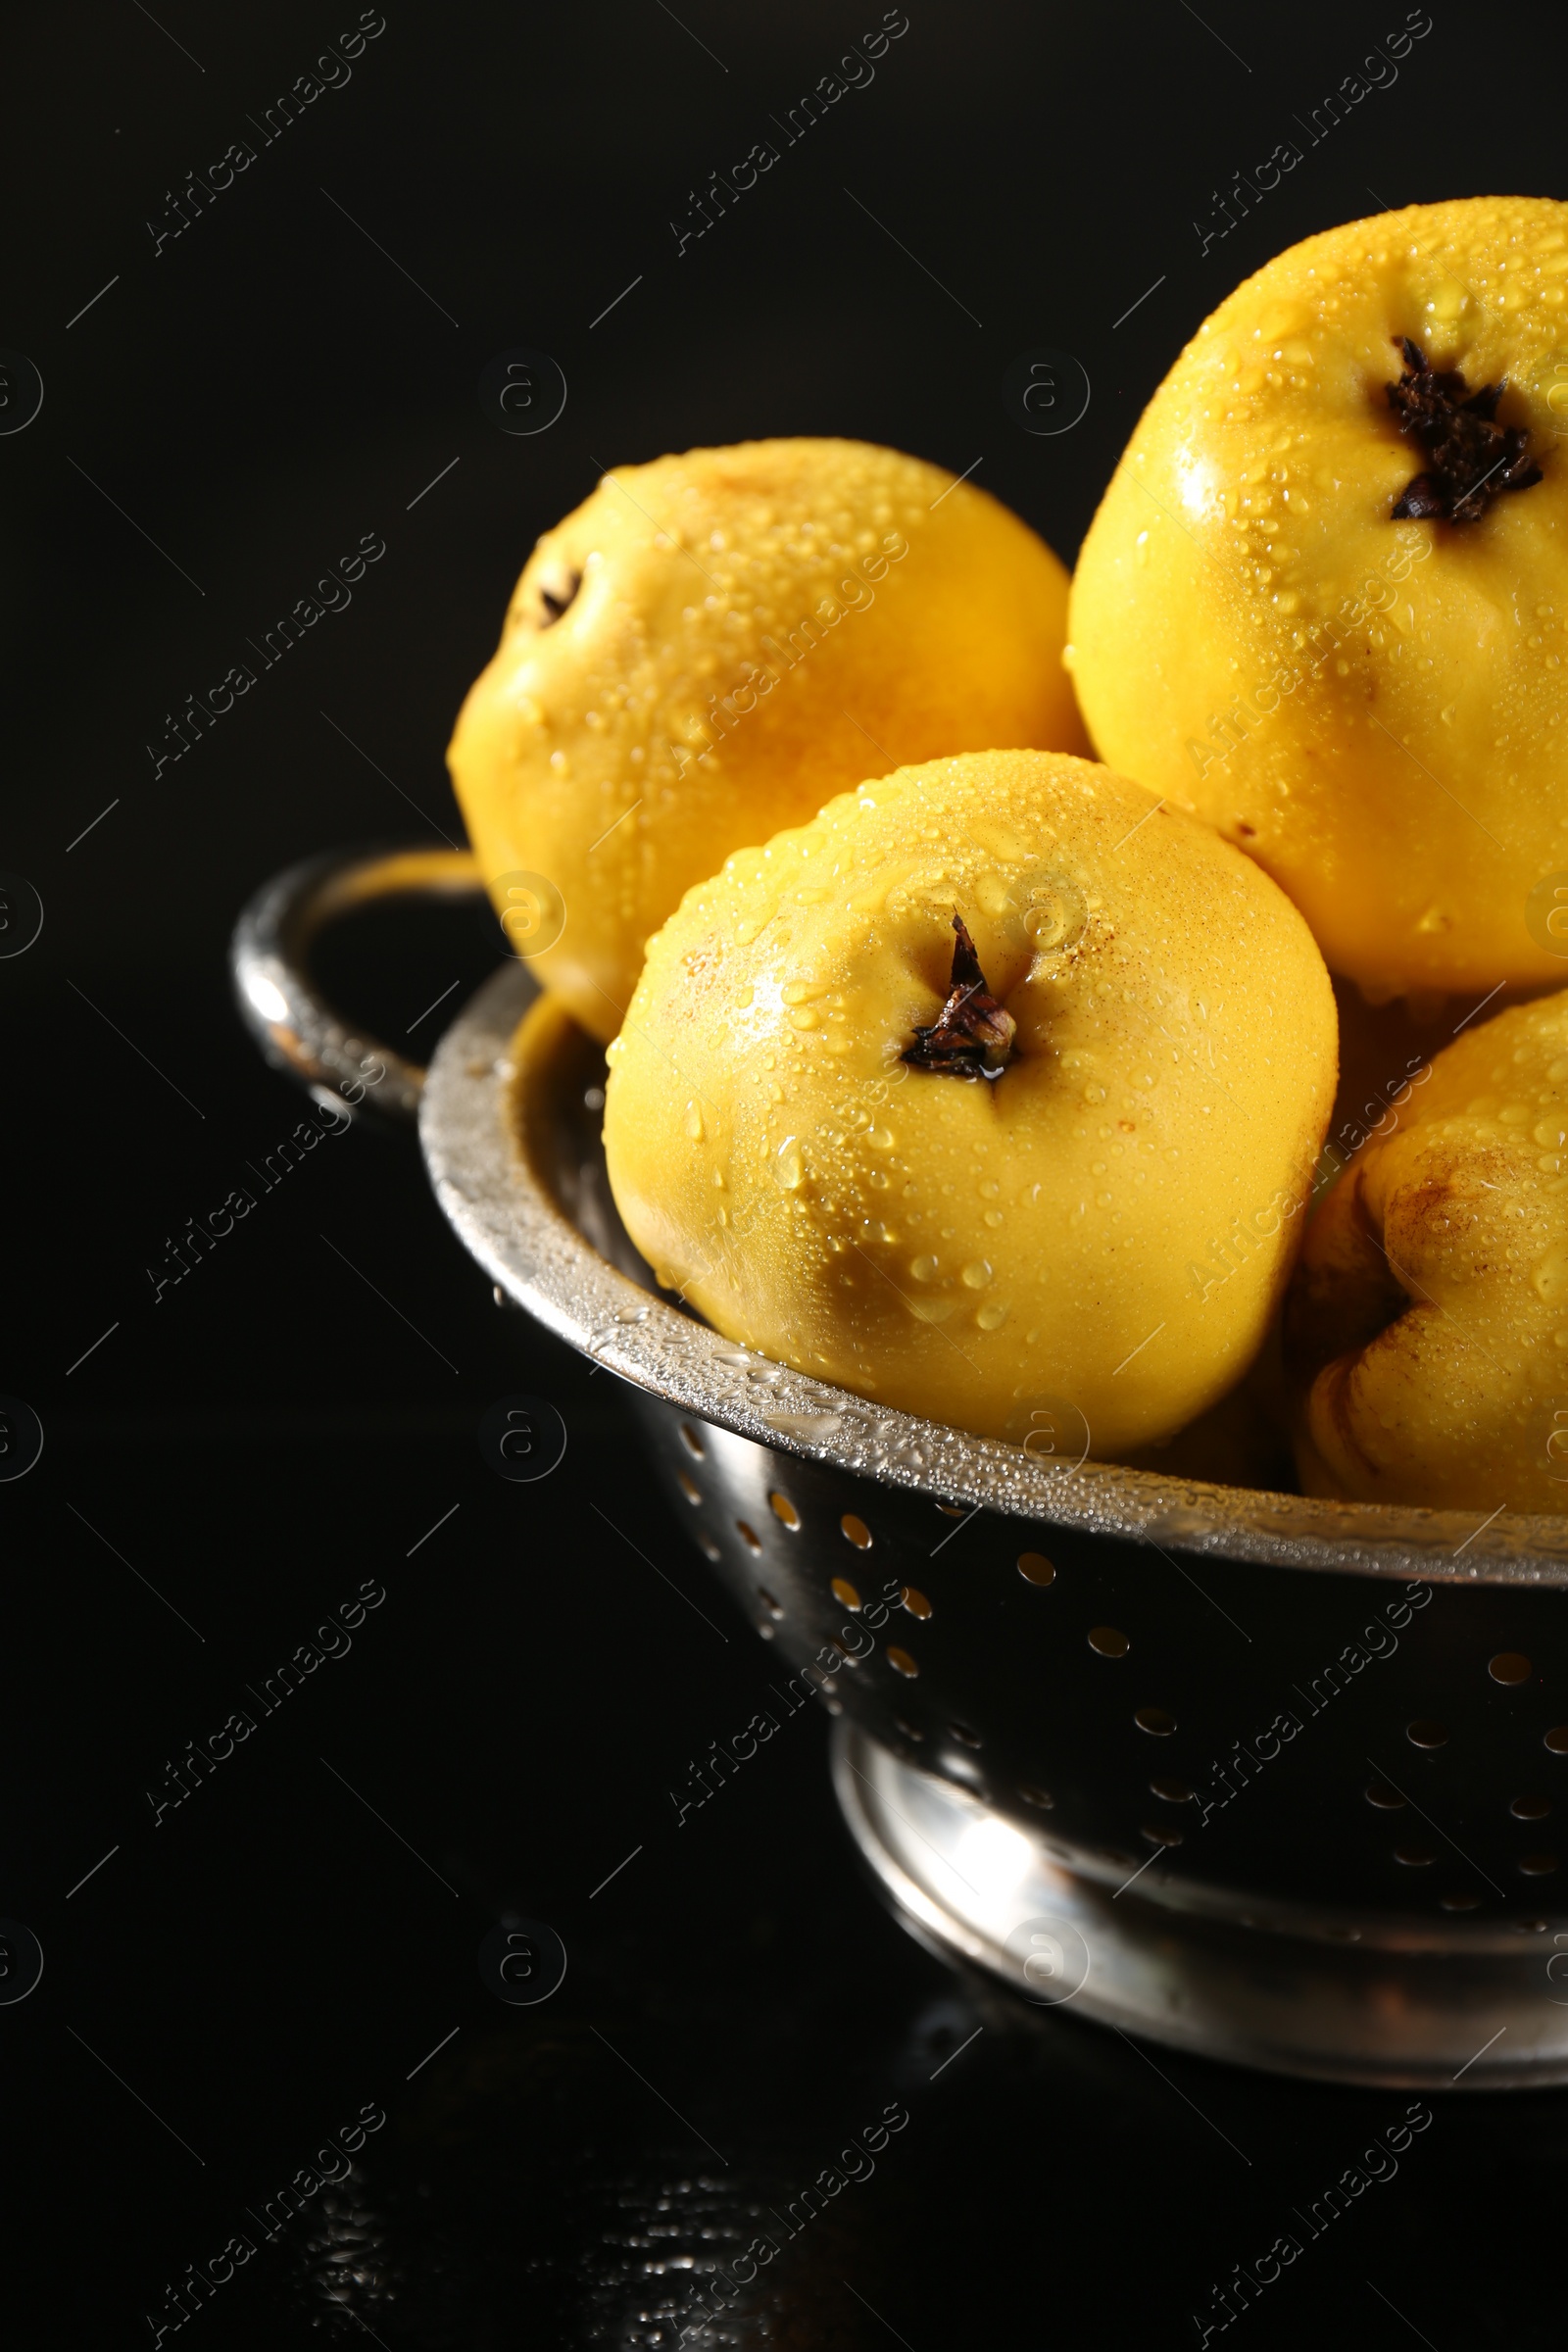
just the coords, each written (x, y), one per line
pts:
(710, 648)
(1427, 1327)
(1325, 600)
(991, 1094)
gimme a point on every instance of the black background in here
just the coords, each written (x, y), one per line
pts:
(220, 424)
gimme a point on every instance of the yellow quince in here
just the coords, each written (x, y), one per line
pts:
(1427, 1327)
(1325, 600)
(713, 645)
(991, 1094)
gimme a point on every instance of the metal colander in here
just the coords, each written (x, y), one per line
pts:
(1279, 1780)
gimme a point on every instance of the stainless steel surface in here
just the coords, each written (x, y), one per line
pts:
(1344, 1996)
(296, 1028)
(998, 1760)
(1163, 1702)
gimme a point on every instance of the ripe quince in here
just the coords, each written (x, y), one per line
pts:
(710, 648)
(1427, 1327)
(991, 1094)
(1325, 600)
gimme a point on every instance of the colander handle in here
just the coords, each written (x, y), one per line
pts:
(344, 1067)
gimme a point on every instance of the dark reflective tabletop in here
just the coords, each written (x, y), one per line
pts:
(307, 1711)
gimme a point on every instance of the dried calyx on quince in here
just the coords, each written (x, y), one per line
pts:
(972, 1034)
(1471, 458)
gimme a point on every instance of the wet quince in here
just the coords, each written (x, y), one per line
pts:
(990, 1094)
(1426, 1326)
(1325, 600)
(713, 645)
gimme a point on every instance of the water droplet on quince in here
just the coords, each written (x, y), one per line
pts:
(1550, 1276)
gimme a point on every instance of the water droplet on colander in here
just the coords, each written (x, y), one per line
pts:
(805, 1425)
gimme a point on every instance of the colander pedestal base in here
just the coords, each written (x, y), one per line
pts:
(1379, 2002)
